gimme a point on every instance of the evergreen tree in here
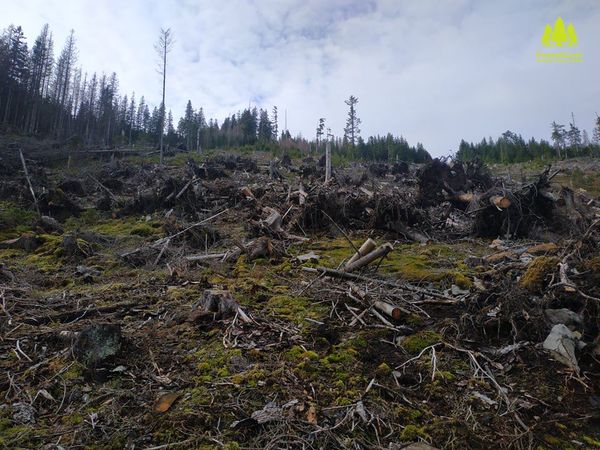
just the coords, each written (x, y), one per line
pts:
(352, 129)
(15, 73)
(574, 134)
(320, 130)
(265, 128)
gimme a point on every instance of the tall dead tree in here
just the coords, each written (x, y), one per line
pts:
(163, 47)
(328, 158)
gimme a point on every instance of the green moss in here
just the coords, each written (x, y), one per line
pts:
(200, 395)
(14, 220)
(445, 375)
(417, 342)
(591, 441)
(249, 377)
(296, 309)
(412, 433)
(551, 440)
(143, 229)
(182, 293)
(407, 415)
(383, 369)
(89, 216)
(72, 419)
(414, 320)
(298, 354)
(5, 423)
(213, 360)
(538, 270)
(122, 228)
(74, 372)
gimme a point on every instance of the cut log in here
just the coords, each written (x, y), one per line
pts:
(274, 220)
(367, 247)
(247, 193)
(393, 311)
(379, 252)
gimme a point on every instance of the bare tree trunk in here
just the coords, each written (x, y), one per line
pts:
(327, 161)
(198, 149)
(164, 108)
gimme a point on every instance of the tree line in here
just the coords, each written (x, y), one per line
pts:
(567, 142)
(51, 96)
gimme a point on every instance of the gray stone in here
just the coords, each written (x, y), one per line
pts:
(97, 344)
(562, 343)
(23, 413)
(565, 316)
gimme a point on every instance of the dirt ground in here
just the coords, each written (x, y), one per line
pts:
(108, 342)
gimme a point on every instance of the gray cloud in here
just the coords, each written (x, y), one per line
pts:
(433, 71)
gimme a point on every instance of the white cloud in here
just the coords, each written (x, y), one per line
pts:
(433, 71)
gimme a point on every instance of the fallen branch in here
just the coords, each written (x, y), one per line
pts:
(352, 276)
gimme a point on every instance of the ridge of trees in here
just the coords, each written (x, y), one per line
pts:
(510, 147)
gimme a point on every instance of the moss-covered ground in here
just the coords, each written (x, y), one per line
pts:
(354, 380)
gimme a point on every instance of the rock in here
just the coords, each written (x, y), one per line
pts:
(23, 413)
(565, 316)
(562, 342)
(307, 257)
(419, 446)
(86, 273)
(50, 224)
(97, 344)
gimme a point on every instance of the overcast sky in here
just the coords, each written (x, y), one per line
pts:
(433, 71)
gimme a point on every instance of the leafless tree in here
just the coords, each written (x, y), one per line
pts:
(163, 46)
